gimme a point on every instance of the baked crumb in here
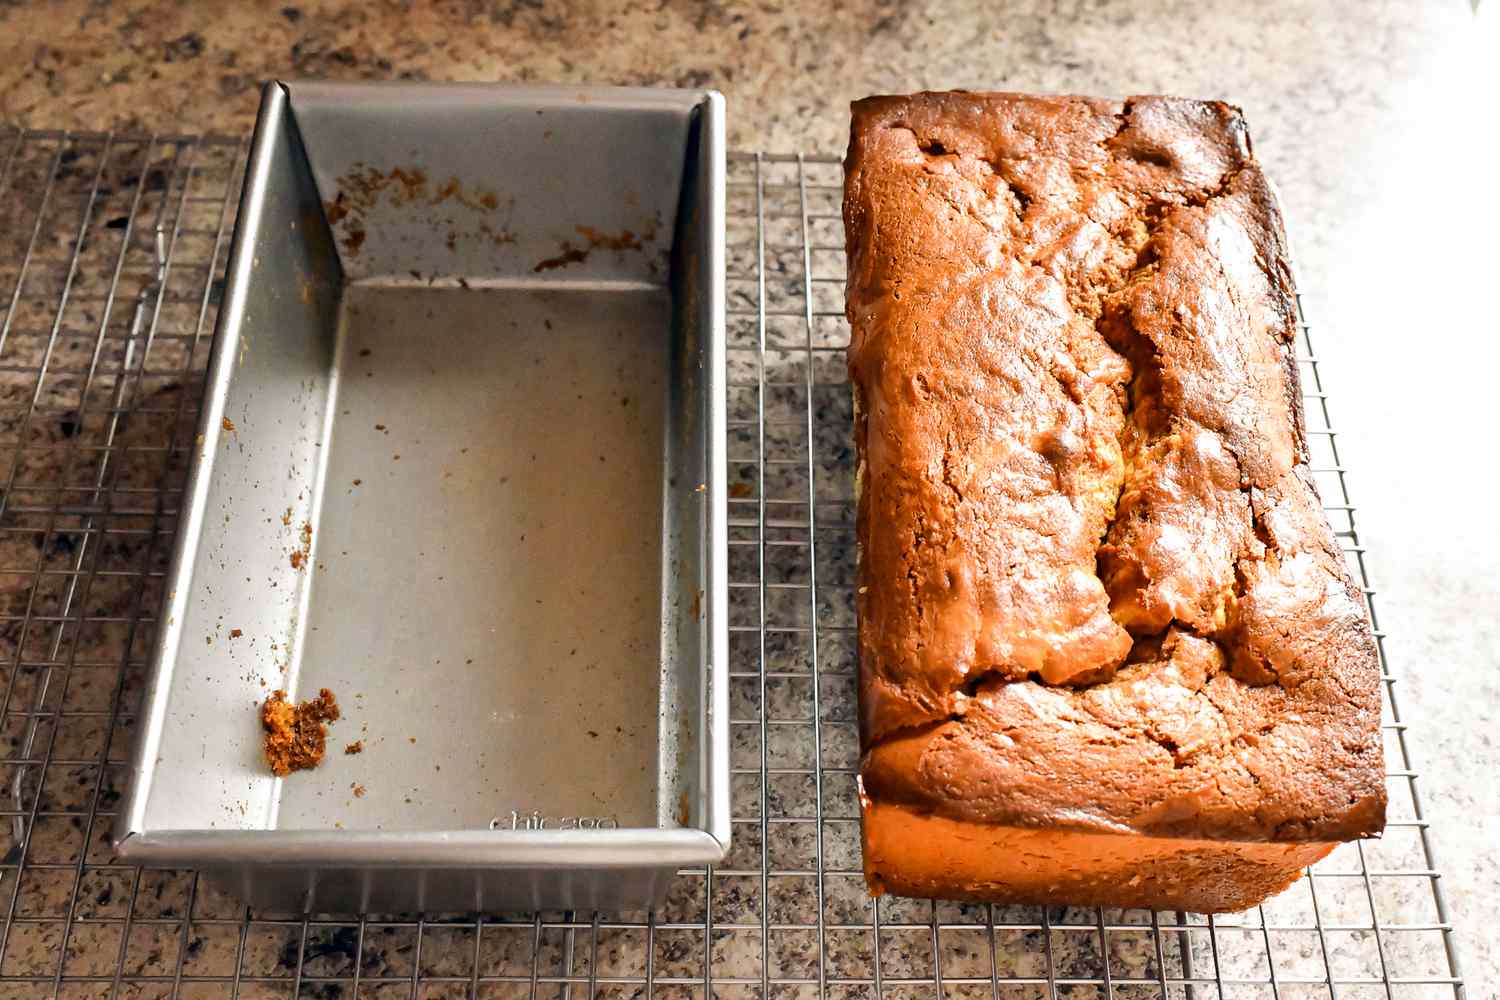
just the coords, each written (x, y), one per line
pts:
(359, 791)
(235, 633)
(358, 746)
(300, 556)
(296, 734)
(228, 425)
(570, 255)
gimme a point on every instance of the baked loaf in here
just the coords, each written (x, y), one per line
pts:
(1110, 653)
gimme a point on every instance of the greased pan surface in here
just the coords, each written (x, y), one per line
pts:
(462, 464)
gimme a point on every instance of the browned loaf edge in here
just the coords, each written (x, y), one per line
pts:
(1098, 597)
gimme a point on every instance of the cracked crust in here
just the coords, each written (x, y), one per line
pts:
(1097, 589)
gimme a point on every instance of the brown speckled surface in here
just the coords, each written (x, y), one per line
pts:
(1364, 114)
(1080, 313)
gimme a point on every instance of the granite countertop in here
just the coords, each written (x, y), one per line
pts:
(1368, 115)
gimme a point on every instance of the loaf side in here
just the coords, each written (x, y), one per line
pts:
(912, 853)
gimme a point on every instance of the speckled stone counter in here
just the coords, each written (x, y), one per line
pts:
(1371, 117)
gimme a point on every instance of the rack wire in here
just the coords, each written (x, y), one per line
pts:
(112, 251)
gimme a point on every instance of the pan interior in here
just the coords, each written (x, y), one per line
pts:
(486, 582)
(464, 483)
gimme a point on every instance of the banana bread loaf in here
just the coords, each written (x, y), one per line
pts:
(1110, 653)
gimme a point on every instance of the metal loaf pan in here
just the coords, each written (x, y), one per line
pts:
(462, 463)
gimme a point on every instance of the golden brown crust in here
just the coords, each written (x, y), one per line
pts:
(911, 853)
(1097, 589)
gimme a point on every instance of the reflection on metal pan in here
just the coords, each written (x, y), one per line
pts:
(461, 462)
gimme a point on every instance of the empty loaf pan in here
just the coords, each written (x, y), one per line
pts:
(462, 464)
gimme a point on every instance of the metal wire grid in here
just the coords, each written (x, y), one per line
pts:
(111, 257)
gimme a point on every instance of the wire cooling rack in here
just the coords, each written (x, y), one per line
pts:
(112, 251)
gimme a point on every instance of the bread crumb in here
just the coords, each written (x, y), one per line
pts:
(358, 746)
(235, 633)
(299, 556)
(359, 791)
(228, 425)
(295, 734)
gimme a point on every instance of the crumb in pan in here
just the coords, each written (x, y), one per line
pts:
(296, 734)
(299, 556)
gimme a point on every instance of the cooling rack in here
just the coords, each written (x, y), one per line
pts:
(112, 251)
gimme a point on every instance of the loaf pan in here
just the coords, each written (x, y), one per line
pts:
(461, 462)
